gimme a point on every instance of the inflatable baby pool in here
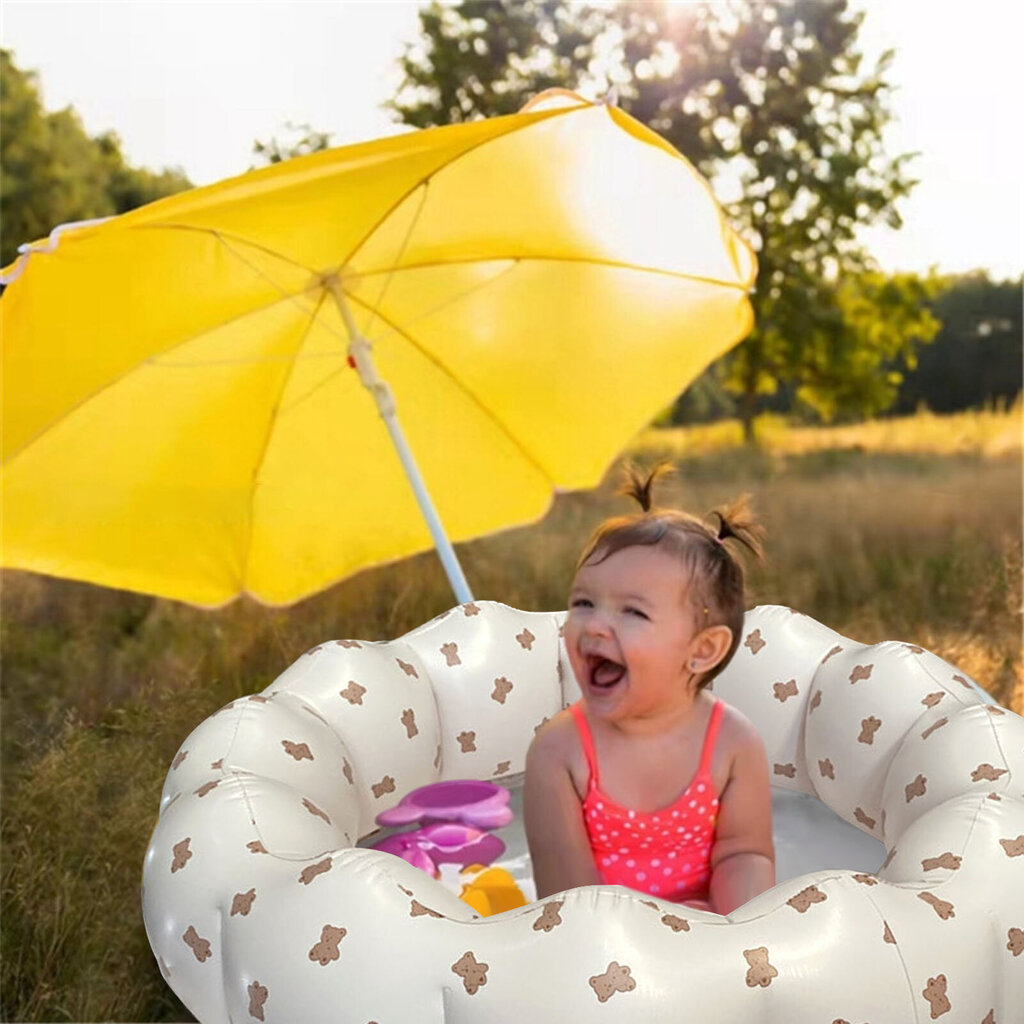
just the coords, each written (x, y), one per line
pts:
(899, 829)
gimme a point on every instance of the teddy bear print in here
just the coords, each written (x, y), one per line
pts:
(987, 773)
(297, 750)
(386, 785)
(815, 701)
(1013, 847)
(916, 788)
(467, 740)
(827, 769)
(437, 756)
(181, 854)
(217, 765)
(962, 681)
(470, 609)
(931, 728)
(935, 993)
(314, 810)
(887, 935)
(549, 917)
(941, 907)
(349, 644)
(313, 650)
(502, 767)
(755, 642)
(1016, 941)
(783, 691)
(863, 818)
(409, 670)
(914, 649)
(257, 997)
(677, 924)
(308, 873)
(931, 699)
(789, 770)
(990, 1017)
(831, 654)
(615, 979)
(526, 639)
(326, 949)
(865, 879)
(451, 654)
(760, 971)
(176, 763)
(471, 971)
(242, 902)
(257, 698)
(502, 688)
(861, 672)
(409, 721)
(199, 946)
(806, 898)
(416, 909)
(868, 727)
(353, 693)
(994, 796)
(256, 847)
(206, 787)
(946, 860)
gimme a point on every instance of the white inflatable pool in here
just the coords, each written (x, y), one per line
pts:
(899, 832)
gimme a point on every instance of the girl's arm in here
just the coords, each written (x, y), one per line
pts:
(553, 818)
(743, 857)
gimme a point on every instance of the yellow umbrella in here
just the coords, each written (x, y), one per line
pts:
(191, 390)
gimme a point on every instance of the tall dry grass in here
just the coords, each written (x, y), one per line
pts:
(878, 540)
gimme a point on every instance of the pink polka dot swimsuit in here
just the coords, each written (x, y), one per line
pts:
(666, 853)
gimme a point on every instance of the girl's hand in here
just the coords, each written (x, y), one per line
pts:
(699, 905)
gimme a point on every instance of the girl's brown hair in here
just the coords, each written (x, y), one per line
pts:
(714, 573)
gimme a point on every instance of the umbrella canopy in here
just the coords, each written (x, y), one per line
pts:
(183, 409)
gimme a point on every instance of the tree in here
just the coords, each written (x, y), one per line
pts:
(769, 100)
(53, 172)
(976, 358)
(302, 139)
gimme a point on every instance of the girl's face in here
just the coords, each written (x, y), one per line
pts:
(631, 634)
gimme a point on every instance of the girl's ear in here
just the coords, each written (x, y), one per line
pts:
(709, 647)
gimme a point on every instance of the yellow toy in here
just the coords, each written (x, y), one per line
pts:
(490, 891)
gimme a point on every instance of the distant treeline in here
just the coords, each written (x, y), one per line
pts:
(975, 360)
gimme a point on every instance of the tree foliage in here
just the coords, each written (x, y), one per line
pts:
(977, 358)
(53, 172)
(773, 103)
(300, 140)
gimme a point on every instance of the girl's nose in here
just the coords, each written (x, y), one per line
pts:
(596, 623)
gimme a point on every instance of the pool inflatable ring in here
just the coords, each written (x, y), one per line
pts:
(259, 907)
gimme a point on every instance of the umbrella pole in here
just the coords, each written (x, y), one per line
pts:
(359, 351)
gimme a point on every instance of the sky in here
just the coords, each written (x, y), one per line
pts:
(193, 84)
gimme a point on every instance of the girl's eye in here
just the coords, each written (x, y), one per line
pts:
(580, 602)
(630, 610)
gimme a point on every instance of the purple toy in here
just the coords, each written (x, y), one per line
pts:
(445, 843)
(473, 802)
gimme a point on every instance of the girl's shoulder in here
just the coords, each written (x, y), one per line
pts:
(557, 741)
(739, 744)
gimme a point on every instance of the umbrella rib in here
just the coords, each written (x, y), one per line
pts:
(488, 414)
(588, 260)
(533, 119)
(265, 447)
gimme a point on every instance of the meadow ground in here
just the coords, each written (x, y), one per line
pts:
(897, 529)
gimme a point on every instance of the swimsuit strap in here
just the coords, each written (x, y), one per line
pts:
(586, 739)
(710, 736)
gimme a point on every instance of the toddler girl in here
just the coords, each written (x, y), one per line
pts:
(650, 781)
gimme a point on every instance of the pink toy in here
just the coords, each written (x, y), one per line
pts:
(472, 802)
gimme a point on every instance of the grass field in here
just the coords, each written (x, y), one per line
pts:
(906, 530)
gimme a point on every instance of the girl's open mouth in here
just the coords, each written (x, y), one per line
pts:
(604, 673)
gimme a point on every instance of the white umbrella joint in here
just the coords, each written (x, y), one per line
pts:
(360, 351)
